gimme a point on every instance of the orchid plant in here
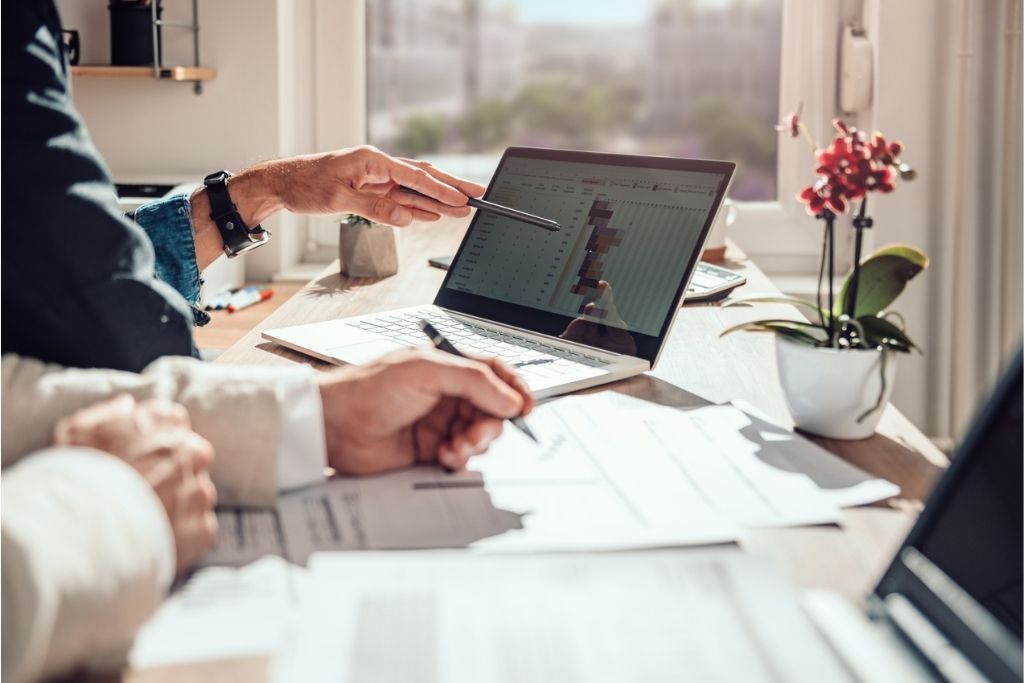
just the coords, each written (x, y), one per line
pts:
(849, 169)
(353, 219)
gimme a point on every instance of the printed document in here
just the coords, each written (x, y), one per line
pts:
(436, 616)
(610, 472)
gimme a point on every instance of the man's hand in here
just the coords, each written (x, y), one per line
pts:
(417, 406)
(155, 438)
(361, 180)
(366, 181)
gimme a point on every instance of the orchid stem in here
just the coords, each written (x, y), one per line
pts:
(859, 223)
(807, 136)
(825, 324)
(830, 238)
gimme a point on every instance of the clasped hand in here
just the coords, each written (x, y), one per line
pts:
(155, 438)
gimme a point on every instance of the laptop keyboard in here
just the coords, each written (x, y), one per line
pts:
(530, 357)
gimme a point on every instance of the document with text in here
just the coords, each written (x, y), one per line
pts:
(609, 472)
(713, 616)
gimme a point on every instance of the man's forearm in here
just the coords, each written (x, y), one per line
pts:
(360, 179)
(254, 193)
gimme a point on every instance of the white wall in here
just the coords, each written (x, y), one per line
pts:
(918, 98)
(263, 103)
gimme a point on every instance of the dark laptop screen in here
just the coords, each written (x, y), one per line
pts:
(631, 230)
(976, 536)
(962, 564)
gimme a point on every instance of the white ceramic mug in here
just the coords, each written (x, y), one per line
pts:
(720, 230)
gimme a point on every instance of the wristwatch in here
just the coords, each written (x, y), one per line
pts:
(238, 238)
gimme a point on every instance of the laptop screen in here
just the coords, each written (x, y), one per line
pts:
(962, 563)
(631, 232)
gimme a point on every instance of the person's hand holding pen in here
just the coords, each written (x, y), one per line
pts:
(417, 406)
(361, 180)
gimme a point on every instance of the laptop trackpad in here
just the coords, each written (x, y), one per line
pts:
(364, 352)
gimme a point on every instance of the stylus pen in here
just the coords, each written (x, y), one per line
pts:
(483, 205)
(441, 343)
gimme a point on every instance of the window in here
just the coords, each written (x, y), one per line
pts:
(457, 81)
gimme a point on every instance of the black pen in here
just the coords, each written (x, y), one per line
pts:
(484, 205)
(442, 344)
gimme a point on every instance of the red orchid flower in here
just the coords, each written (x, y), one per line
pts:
(850, 167)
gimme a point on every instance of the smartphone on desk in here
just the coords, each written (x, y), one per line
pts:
(711, 283)
(442, 262)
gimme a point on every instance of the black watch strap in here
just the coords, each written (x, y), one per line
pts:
(237, 237)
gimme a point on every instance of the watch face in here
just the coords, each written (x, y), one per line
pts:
(218, 177)
(257, 238)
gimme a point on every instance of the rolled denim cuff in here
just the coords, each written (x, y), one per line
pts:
(168, 222)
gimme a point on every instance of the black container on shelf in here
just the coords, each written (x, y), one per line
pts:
(131, 32)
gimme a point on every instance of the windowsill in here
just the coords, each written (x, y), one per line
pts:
(803, 286)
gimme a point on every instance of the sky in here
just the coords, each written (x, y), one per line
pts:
(595, 12)
(603, 12)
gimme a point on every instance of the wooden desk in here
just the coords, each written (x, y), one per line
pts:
(696, 367)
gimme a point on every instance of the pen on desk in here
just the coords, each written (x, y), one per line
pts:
(484, 205)
(247, 298)
(442, 344)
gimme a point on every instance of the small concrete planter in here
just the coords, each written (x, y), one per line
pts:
(827, 390)
(367, 249)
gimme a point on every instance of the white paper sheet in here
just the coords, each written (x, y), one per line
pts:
(523, 497)
(702, 454)
(610, 472)
(437, 617)
(221, 613)
(845, 485)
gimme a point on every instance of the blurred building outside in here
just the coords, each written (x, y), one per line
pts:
(457, 81)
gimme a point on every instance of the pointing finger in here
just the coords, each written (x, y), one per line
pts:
(467, 187)
(418, 179)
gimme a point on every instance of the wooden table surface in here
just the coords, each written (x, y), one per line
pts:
(696, 367)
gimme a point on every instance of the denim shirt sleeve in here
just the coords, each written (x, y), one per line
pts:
(168, 223)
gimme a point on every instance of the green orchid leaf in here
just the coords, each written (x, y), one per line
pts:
(775, 299)
(881, 332)
(797, 335)
(803, 332)
(883, 277)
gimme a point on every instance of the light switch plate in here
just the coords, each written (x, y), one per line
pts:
(856, 71)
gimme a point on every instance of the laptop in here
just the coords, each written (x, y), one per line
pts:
(947, 608)
(589, 304)
(954, 589)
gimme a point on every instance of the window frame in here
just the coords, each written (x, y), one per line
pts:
(779, 235)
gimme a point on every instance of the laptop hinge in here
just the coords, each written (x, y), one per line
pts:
(590, 349)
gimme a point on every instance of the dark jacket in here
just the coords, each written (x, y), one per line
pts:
(78, 282)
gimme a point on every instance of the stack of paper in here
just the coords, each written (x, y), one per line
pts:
(561, 618)
(609, 472)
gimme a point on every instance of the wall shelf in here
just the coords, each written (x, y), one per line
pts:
(163, 73)
(195, 74)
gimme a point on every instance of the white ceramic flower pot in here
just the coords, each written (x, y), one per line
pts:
(828, 389)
